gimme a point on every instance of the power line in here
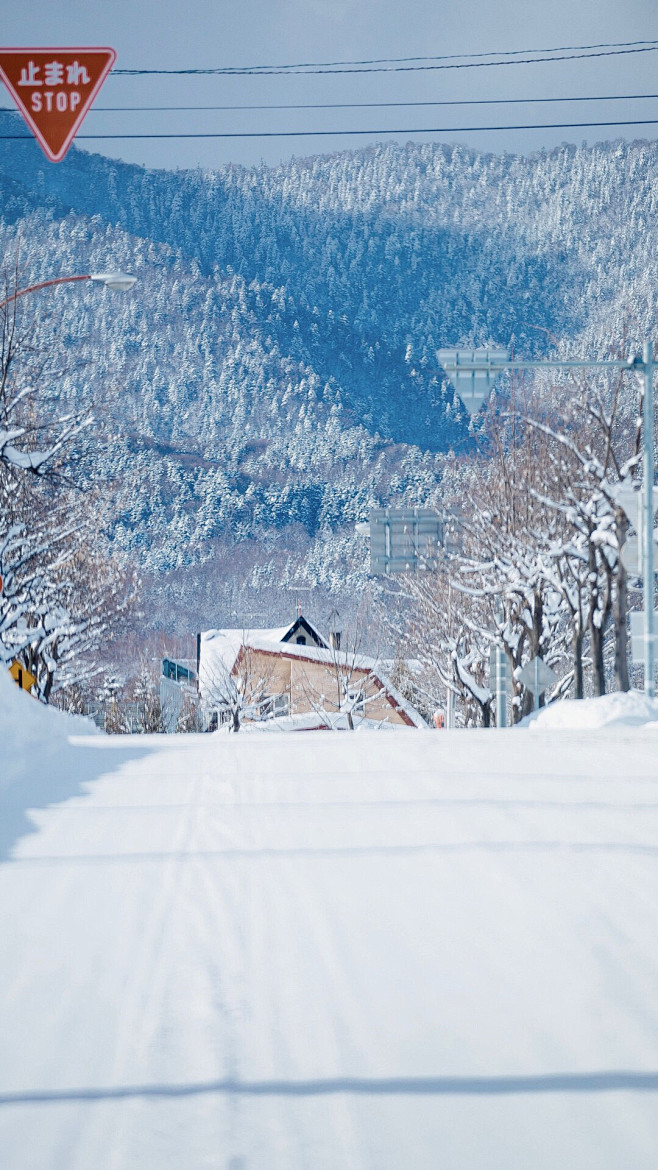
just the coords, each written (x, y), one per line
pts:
(343, 133)
(306, 71)
(456, 56)
(239, 69)
(610, 97)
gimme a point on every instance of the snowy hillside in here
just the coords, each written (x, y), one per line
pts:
(418, 949)
(273, 375)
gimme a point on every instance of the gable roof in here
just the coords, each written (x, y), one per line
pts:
(304, 624)
(222, 647)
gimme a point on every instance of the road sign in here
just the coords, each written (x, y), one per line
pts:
(631, 555)
(537, 676)
(22, 676)
(631, 500)
(472, 386)
(403, 540)
(637, 634)
(54, 89)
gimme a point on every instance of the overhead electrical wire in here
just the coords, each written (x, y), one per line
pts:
(448, 62)
(524, 101)
(610, 97)
(343, 133)
(512, 56)
(441, 57)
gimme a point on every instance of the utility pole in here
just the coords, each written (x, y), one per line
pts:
(501, 672)
(647, 523)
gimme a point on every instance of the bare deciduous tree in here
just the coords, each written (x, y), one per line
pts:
(62, 590)
(236, 684)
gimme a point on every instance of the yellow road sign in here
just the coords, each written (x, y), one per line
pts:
(22, 676)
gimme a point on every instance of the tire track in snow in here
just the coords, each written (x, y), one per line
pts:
(110, 1131)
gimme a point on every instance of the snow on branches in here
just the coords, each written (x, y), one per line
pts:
(61, 591)
(537, 571)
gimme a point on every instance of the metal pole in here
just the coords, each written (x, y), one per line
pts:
(647, 525)
(501, 687)
(501, 673)
(450, 709)
(42, 284)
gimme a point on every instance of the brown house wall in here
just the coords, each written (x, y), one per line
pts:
(313, 684)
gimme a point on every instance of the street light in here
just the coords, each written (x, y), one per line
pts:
(121, 281)
(472, 372)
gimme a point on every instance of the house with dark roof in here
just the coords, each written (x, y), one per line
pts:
(297, 678)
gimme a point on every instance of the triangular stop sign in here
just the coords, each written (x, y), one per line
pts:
(54, 89)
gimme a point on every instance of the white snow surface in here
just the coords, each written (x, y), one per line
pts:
(329, 951)
(310, 721)
(631, 710)
(29, 732)
(220, 648)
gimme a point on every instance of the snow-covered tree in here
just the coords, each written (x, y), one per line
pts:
(62, 589)
(343, 692)
(235, 686)
(594, 450)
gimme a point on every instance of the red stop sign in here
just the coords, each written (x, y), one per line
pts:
(54, 89)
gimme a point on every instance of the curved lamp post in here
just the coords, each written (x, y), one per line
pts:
(121, 281)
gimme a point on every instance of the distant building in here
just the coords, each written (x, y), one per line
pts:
(291, 675)
(176, 678)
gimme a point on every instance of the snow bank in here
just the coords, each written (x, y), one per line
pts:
(630, 709)
(312, 721)
(30, 732)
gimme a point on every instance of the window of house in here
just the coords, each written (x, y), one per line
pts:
(273, 705)
(356, 699)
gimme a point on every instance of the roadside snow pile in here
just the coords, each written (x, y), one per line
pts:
(312, 721)
(630, 709)
(29, 731)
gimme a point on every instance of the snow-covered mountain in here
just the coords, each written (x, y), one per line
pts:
(273, 374)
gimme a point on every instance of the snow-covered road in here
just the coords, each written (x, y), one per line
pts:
(379, 951)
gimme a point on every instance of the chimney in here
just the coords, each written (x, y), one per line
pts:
(334, 639)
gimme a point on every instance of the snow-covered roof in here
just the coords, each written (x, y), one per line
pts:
(221, 647)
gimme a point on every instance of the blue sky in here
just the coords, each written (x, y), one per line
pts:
(207, 33)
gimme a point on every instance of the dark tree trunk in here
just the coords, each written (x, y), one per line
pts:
(527, 704)
(620, 609)
(515, 659)
(579, 682)
(596, 632)
(536, 648)
(622, 681)
(598, 668)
